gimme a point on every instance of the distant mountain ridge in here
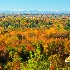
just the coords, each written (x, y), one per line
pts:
(33, 12)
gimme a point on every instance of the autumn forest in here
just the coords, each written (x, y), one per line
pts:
(34, 41)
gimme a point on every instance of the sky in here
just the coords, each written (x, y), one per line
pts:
(43, 5)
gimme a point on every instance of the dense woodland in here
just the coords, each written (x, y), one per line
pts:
(34, 42)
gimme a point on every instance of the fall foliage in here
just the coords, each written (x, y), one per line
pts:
(29, 37)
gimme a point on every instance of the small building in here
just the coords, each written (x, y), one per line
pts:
(67, 61)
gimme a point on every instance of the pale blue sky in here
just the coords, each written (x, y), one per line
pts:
(46, 5)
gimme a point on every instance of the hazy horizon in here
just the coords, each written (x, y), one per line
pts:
(40, 5)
